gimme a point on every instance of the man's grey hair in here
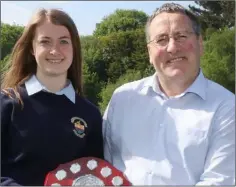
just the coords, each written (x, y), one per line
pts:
(173, 8)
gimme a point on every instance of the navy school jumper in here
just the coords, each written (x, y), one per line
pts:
(48, 131)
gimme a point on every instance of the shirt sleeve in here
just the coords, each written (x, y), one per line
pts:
(6, 115)
(107, 132)
(220, 161)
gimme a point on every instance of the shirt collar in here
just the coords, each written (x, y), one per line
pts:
(198, 86)
(34, 86)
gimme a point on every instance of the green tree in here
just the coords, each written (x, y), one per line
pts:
(121, 20)
(123, 51)
(9, 36)
(107, 91)
(218, 61)
(94, 70)
(4, 65)
(92, 85)
(92, 50)
(215, 14)
(112, 55)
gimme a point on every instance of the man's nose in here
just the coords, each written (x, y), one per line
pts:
(172, 46)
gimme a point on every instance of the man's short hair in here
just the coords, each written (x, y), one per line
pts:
(174, 8)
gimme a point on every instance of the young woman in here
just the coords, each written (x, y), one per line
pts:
(45, 120)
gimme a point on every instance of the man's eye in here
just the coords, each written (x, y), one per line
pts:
(182, 36)
(160, 40)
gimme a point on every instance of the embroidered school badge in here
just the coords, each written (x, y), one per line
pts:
(79, 126)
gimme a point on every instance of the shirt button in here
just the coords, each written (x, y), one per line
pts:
(161, 125)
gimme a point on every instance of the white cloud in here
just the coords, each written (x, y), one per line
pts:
(12, 13)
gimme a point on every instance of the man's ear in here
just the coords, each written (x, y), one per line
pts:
(149, 53)
(201, 48)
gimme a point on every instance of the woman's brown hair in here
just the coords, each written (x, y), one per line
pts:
(22, 63)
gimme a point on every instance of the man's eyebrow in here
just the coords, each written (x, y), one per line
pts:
(161, 35)
(176, 32)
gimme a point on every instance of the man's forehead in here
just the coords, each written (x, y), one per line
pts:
(170, 18)
(165, 22)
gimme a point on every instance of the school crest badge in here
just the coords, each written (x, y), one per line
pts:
(79, 126)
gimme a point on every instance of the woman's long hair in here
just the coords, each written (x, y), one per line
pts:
(22, 63)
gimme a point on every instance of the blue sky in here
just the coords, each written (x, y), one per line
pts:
(84, 13)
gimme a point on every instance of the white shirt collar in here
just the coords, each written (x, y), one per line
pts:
(198, 86)
(34, 86)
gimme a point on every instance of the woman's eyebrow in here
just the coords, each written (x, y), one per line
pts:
(61, 37)
(64, 37)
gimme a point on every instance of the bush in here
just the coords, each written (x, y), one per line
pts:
(218, 61)
(107, 91)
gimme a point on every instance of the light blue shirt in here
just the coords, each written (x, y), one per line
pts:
(33, 86)
(188, 139)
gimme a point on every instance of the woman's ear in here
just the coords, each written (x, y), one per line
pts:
(32, 52)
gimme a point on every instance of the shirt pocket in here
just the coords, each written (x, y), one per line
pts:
(195, 134)
(191, 136)
(187, 133)
(187, 147)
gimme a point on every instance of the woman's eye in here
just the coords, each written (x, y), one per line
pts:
(44, 42)
(64, 42)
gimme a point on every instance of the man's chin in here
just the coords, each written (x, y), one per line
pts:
(175, 73)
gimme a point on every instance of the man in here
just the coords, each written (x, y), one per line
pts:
(175, 127)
